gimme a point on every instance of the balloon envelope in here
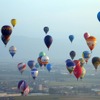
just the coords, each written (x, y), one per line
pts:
(46, 29)
(96, 62)
(98, 16)
(86, 35)
(71, 38)
(6, 31)
(49, 67)
(34, 73)
(31, 64)
(91, 42)
(48, 41)
(72, 54)
(13, 22)
(21, 67)
(12, 50)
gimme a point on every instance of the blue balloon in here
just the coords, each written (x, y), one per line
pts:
(98, 16)
(34, 73)
(71, 38)
(49, 67)
(31, 63)
(68, 60)
(70, 64)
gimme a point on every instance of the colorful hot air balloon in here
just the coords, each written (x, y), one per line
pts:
(70, 65)
(31, 64)
(6, 31)
(12, 50)
(34, 73)
(48, 41)
(46, 29)
(83, 73)
(45, 60)
(86, 35)
(72, 54)
(98, 16)
(82, 61)
(71, 38)
(21, 67)
(13, 22)
(96, 62)
(86, 55)
(23, 87)
(91, 42)
(49, 67)
(77, 70)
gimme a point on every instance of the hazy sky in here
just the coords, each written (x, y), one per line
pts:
(63, 17)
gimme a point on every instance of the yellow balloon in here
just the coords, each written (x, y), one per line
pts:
(83, 73)
(13, 22)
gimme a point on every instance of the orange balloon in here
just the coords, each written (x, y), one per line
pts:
(91, 42)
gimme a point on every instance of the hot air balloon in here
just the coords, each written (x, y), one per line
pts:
(31, 64)
(72, 54)
(49, 67)
(6, 31)
(46, 29)
(12, 50)
(39, 61)
(45, 60)
(13, 22)
(86, 35)
(91, 42)
(98, 16)
(4, 40)
(23, 87)
(70, 65)
(77, 70)
(96, 62)
(37, 65)
(86, 55)
(21, 67)
(82, 61)
(83, 73)
(42, 54)
(71, 38)
(68, 60)
(34, 73)
(48, 41)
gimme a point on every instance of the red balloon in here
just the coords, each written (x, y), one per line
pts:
(78, 70)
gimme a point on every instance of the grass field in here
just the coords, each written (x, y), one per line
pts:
(53, 97)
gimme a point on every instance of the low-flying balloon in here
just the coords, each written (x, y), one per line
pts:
(23, 87)
(83, 73)
(49, 67)
(77, 70)
(34, 73)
